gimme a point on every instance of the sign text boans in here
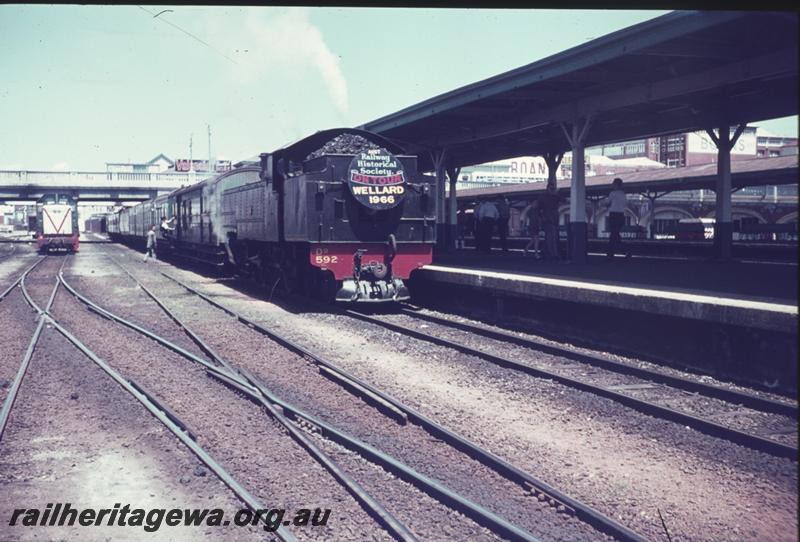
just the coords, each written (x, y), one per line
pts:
(376, 179)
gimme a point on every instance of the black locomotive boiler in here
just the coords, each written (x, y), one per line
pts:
(341, 214)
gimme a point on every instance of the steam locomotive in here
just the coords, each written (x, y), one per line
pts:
(343, 214)
(57, 223)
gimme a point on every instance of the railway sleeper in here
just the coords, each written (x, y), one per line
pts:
(543, 496)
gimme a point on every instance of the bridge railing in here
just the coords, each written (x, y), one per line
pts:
(120, 179)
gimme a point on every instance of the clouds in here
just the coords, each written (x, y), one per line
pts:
(284, 45)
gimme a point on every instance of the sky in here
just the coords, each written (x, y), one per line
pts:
(86, 85)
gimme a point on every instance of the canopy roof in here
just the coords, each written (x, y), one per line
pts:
(683, 71)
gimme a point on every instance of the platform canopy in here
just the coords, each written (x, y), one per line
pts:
(683, 71)
(779, 170)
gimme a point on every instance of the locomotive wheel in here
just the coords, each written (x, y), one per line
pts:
(328, 287)
(321, 286)
(290, 281)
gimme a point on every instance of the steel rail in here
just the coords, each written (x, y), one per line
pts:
(11, 398)
(19, 278)
(10, 252)
(52, 297)
(436, 490)
(440, 492)
(251, 501)
(110, 316)
(751, 401)
(703, 425)
(394, 526)
(8, 404)
(583, 511)
(192, 335)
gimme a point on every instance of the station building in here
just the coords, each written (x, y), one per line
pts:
(754, 208)
(159, 164)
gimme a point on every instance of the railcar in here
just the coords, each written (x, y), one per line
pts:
(695, 229)
(57, 223)
(96, 223)
(343, 214)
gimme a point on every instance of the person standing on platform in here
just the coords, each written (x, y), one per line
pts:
(504, 215)
(151, 244)
(616, 201)
(533, 214)
(487, 214)
(549, 202)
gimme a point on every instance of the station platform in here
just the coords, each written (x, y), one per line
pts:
(739, 293)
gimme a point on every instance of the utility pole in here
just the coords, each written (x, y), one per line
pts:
(210, 168)
(190, 152)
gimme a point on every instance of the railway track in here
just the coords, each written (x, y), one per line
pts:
(41, 320)
(158, 410)
(707, 458)
(7, 250)
(605, 379)
(711, 409)
(249, 386)
(402, 414)
(684, 383)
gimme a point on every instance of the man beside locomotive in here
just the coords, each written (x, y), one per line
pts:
(151, 244)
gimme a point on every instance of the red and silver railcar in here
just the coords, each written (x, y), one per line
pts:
(57, 223)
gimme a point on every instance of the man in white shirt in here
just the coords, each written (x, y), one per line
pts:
(166, 226)
(151, 244)
(486, 216)
(617, 202)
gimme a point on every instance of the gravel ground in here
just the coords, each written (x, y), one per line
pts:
(76, 437)
(17, 324)
(94, 267)
(770, 425)
(224, 422)
(40, 281)
(300, 383)
(523, 328)
(11, 268)
(628, 465)
(624, 463)
(252, 350)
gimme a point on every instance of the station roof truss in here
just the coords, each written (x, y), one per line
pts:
(756, 172)
(683, 71)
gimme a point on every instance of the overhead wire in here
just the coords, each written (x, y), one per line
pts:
(187, 33)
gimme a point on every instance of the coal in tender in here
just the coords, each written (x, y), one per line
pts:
(344, 144)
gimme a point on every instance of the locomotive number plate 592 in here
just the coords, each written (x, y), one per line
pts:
(321, 256)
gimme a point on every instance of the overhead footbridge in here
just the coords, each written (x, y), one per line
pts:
(21, 185)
